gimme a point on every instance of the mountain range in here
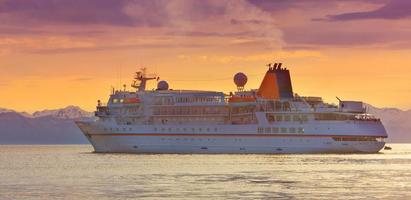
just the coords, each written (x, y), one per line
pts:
(397, 123)
(57, 126)
(42, 127)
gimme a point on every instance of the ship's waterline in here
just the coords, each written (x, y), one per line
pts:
(268, 120)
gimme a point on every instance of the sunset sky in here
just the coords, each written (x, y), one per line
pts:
(55, 53)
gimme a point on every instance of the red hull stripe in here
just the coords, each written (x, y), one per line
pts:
(231, 135)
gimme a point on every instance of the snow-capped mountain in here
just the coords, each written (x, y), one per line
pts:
(42, 127)
(5, 110)
(69, 112)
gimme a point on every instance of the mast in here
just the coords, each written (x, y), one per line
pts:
(140, 79)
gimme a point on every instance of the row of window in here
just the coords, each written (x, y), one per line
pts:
(287, 118)
(333, 116)
(185, 129)
(198, 99)
(118, 129)
(280, 130)
(354, 139)
(118, 100)
(259, 130)
(185, 110)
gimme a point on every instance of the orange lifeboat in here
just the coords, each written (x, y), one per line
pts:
(131, 100)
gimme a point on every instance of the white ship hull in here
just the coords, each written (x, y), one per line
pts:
(228, 145)
(224, 143)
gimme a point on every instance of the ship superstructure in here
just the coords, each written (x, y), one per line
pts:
(270, 119)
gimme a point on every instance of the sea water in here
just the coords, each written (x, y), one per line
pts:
(74, 172)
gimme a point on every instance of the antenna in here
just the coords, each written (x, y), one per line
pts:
(120, 77)
(140, 79)
(112, 89)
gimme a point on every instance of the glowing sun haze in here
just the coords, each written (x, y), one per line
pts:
(70, 52)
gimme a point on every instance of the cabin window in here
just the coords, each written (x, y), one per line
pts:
(300, 130)
(287, 118)
(279, 118)
(283, 130)
(291, 130)
(304, 118)
(271, 118)
(268, 130)
(275, 129)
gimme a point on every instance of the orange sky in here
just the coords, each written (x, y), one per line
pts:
(52, 60)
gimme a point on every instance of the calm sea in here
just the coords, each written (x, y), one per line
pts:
(73, 172)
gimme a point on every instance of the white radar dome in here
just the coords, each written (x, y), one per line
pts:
(162, 85)
(240, 79)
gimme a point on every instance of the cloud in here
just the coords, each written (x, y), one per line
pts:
(396, 9)
(334, 37)
(147, 46)
(128, 13)
(212, 34)
(67, 26)
(266, 56)
(23, 12)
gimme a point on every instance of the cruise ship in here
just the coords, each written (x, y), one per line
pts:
(269, 120)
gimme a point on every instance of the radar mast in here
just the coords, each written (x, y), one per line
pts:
(140, 79)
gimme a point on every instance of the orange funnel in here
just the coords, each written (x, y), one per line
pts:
(269, 88)
(276, 84)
